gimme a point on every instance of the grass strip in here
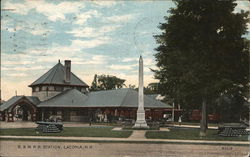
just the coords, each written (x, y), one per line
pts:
(191, 134)
(69, 131)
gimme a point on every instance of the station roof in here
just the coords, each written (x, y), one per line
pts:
(107, 98)
(68, 98)
(55, 76)
(14, 99)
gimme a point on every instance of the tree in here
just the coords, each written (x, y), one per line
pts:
(152, 88)
(94, 84)
(202, 52)
(131, 86)
(231, 106)
(106, 82)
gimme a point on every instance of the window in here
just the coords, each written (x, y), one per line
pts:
(66, 88)
(44, 88)
(51, 88)
(78, 88)
(36, 89)
(58, 88)
(83, 90)
(73, 113)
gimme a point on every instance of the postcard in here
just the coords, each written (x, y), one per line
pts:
(124, 78)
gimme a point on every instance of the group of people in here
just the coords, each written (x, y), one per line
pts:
(106, 118)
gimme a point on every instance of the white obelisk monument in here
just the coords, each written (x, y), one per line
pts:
(140, 120)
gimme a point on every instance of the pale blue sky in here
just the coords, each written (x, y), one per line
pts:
(104, 37)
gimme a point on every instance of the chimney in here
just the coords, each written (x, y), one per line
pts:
(67, 66)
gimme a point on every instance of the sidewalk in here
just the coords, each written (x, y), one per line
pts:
(138, 135)
(197, 126)
(34, 125)
(193, 126)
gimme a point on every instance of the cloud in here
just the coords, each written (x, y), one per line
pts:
(95, 60)
(21, 68)
(57, 12)
(40, 31)
(17, 75)
(74, 49)
(35, 28)
(20, 62)
(119, 18)
(148, 62)
(130, 59)
(84, 44)
(7, 25)
(105, 3)
(122, 67)
(243, 5)
(147, 69)
(18, 8)
(89, 32)
(11, 60)
(54, 12)
(82, 18)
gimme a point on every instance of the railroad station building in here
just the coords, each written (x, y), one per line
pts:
(60, 94)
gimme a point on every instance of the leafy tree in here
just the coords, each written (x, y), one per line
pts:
(131, 86)
(152, 88)
(106, 82)
(202, 53)
(230, 106)
(94, 84)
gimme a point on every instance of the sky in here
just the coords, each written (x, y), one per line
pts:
(99, 37)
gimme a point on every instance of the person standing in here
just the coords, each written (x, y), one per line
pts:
(90, 121)
(179, 120)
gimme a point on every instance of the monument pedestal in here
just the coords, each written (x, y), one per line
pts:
(140, 120)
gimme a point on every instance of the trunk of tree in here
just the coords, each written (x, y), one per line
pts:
(203, 124)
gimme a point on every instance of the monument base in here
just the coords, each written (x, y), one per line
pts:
(142, 125)
(141, 122)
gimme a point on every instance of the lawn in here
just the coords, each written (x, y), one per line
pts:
(191, 134)
(70, 131)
